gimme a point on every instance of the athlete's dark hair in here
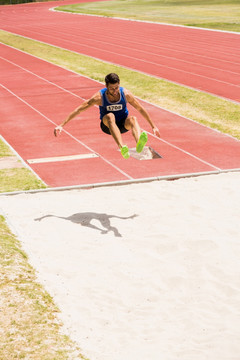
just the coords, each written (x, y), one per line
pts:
(112, 79)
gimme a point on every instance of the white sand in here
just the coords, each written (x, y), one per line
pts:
(163, 285)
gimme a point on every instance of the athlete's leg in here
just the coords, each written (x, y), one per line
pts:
(131, 123)
(140, 138)
(110, 122)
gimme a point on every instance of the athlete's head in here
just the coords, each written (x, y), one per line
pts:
(112, 79)
(112, 83)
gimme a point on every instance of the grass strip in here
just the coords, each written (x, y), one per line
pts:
(17, 179)
(214, 14)
(204, 108)
(5, 150)
(29, 325)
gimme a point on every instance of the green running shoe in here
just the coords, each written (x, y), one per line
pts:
(141, 142)
(125, 152)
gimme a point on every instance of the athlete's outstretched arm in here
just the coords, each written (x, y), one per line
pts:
(136, 104)
(94, 100)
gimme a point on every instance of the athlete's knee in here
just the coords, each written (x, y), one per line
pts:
(109, 119)
(132, 121)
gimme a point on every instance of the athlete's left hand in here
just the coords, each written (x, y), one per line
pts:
(58, 130)
(156, 131)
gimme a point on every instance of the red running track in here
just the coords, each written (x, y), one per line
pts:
(201, 59)
(36, 95)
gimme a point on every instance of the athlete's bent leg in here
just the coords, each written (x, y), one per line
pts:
(110, 122)
(131, 123)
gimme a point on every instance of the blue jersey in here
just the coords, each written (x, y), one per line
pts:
(119, 108)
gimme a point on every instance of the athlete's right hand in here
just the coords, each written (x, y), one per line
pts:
(156, 132)
(57, 130)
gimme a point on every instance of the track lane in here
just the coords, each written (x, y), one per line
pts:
(201, 59)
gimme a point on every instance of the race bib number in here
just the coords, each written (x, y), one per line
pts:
(114, 107)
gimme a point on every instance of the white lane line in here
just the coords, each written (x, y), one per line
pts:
(186, 152)
(40, 77)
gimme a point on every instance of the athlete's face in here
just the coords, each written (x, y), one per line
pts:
(113, 89)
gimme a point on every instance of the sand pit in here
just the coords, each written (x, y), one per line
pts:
(140, 272)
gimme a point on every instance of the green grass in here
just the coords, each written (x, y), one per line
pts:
(17, 179)
(29, 325)
(209, 110)
(214, 14)
(4, 150)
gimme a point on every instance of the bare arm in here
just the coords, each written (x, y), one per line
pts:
(136, 104)
(94, 100)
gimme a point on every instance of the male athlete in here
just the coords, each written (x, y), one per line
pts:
(114, 115)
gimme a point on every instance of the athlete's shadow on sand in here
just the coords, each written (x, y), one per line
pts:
(84, 219)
